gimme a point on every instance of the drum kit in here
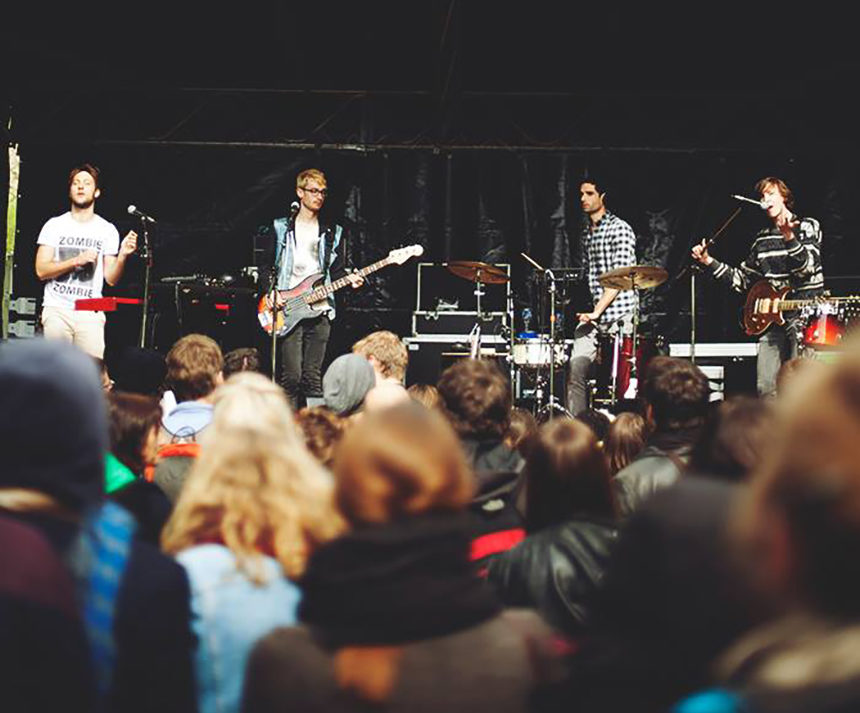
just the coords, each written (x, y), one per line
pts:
(622, 357)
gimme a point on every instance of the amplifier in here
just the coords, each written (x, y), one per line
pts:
(431, 354)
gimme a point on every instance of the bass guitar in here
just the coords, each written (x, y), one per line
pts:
(766, 304)
(308, 298)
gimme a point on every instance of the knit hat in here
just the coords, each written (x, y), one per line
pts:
(53, 421)
(346, 383)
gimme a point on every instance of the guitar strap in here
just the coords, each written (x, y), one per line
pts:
(329, 241)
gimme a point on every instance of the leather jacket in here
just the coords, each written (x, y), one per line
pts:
(658, 466)
(556, 570)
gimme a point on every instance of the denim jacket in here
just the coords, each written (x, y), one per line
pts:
(285, 234)
(229, 614)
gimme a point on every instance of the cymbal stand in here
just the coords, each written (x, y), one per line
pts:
(552, 406)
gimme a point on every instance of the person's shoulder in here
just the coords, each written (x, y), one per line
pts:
(104, 224)
(57, 221)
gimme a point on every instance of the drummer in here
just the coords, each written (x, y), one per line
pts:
(608, 244)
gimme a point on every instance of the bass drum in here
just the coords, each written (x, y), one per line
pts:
(534, 353)
(615, 361)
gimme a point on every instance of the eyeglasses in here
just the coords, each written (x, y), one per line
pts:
(316, 191)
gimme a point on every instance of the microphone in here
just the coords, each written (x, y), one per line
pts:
(760, 204)
(132, 210)
(294, 209)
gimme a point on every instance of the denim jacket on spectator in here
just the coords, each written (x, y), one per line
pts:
(229, 614)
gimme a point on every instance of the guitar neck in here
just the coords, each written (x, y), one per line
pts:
(324, 291)
(788, 305)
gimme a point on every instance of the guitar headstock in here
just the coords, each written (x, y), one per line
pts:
(401, 255)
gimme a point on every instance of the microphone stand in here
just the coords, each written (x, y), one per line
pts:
(693, 267)
(147, 276)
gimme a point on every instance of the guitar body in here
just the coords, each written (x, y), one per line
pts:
(296, 309)
(309, 298)
(763, 307)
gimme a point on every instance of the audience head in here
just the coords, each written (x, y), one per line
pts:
(476, 398)
(566, 475)
(346, 382)
(522, 428)
(244, 359)
(400, 462)
(53, 422)
(624, 440)
(386, 352)
(791, 370)
(133, 421)
(385, 395)
(323, 431)
(801, 520)
(140, 371)
(596, 420)
(248, 398)
(676, 393)
(426, 394)
(254, 487)
(733, 441)
(194, 367)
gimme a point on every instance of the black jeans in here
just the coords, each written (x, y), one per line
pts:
(302, 354)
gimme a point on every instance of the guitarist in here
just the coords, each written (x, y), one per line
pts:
(787, 253)
(303, 246)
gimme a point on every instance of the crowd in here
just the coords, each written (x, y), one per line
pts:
(176, 536)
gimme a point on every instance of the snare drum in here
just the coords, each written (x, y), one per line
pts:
(824, 329)
(534, 352)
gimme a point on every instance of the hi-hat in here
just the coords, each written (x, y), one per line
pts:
(477, 272)
(640, 277)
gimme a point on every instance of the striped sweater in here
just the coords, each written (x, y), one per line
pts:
(796, 262)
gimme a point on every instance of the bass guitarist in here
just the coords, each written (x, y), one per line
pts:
(303, 246)
(786, 254)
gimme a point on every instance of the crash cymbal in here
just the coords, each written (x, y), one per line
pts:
(477, 272)
(642, 277)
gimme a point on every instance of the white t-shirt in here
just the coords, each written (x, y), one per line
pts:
(69, 238)
(306, 260)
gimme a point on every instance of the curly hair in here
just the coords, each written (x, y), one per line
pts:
(388, 351)
(476, 398)
(323, 431)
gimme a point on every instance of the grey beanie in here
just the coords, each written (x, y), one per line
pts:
(346, 383)
(53, 421)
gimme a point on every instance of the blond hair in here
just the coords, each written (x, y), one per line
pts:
(308, 175)
(388, 350)
(255, 487)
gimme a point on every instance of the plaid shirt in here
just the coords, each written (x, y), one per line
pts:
(607, 246)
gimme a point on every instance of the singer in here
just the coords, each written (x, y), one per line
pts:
(786, 253)
(77, 251)
(304, 245)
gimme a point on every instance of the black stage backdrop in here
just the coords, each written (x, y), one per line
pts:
(478, 204)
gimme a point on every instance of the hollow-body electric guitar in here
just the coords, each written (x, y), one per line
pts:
(308, 298)
(765, 306)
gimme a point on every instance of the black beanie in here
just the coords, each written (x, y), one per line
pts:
(53, 422)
